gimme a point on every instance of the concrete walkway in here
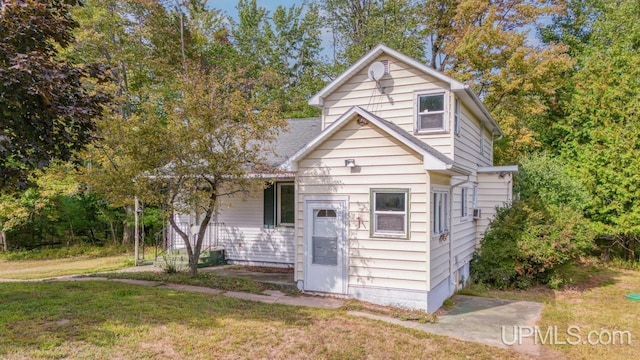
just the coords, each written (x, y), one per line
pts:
(493, 322)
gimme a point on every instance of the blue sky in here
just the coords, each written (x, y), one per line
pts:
(229, 6)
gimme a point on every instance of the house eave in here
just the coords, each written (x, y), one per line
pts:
(498, 169)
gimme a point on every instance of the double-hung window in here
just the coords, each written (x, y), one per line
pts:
(440, 212)
(389, 212)
(464, 203)
(430, 113)
(279, 205)
(456, 118)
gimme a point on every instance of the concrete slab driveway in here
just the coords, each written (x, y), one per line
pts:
(483, 320)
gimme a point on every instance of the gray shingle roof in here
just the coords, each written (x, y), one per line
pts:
(297, 134)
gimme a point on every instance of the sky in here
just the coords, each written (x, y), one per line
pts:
(229, 6)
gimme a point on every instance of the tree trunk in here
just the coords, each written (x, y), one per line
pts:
(3, 240)
(113, 233)
(127, 230)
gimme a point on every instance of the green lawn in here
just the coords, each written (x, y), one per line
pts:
(38, 269)
(106, 320)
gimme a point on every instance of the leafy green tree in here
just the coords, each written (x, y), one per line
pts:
(603, 127)
(215, 137)
(48, 109)
(285, 43)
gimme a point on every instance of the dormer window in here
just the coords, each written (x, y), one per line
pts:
(430, 113)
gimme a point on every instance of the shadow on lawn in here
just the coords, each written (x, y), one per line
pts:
(41, 315)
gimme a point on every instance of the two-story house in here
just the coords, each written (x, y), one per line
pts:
(384, 197)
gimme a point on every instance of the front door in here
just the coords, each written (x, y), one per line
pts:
(325, 244)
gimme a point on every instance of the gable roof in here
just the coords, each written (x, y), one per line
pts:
(463, 91)
(297, 134)
(432, 158)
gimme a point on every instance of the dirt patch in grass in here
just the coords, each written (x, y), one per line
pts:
(209, 280)
(268, 270)
(398, 313)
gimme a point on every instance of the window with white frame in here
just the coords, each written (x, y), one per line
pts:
(464, 202)
(456, 118)
(279, 205)
(430, 112)
(389, 209)
(440, 211)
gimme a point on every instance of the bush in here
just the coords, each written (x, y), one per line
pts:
(529, 241)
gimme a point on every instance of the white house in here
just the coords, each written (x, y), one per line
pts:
(387, 193)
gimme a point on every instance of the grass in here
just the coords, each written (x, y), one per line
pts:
(594, 302)
(38, 269)
(105, 320)
(62, 252)
(214, 281)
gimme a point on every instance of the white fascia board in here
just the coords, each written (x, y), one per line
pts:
(498, 169)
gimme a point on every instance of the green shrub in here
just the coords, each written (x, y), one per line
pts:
(529, 241)
(61, 252)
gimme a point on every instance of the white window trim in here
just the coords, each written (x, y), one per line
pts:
(457, 117)
(482, 142)
(445, 112)
(465, 214)
(279, 203)
(374, 212)
(475, 197)
(435, 192)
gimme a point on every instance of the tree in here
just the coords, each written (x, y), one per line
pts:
(286, 43)
(603, 127)
(216, 137)
(139, 41)
(48, 108)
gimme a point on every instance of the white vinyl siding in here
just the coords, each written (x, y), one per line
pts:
(397, 105)
(382, 163)
(470, 151)
(241, 233)
(494, 190)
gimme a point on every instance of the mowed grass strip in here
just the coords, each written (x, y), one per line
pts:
(39, 269)
(106, 320)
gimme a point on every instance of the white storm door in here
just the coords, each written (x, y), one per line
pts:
(325, 244)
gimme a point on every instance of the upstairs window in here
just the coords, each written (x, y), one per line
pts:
(430, 113)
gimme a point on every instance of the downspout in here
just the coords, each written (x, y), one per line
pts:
(451, 281)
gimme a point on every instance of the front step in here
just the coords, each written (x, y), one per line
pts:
(180, 259)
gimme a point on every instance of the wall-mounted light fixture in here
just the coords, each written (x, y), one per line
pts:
(350, 163)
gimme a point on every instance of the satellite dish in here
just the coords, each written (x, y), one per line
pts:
(376, 71)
